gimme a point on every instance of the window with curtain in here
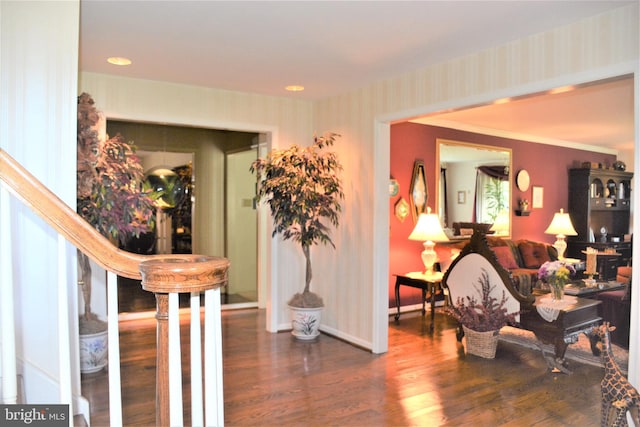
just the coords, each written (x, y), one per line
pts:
(492, 192)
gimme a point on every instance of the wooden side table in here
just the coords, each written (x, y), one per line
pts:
(421, 281)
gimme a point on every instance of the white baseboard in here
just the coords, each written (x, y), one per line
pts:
(414, 307)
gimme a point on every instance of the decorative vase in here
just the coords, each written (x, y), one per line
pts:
(93, 352)
(483, 344)
(305, 322)
(557, 290)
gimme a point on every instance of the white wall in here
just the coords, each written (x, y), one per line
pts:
(460, 177)
(38, 86)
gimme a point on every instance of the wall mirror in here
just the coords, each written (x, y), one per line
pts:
(473, 187)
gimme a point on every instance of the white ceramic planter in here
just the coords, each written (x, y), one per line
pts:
(305, 322)
(93, 352)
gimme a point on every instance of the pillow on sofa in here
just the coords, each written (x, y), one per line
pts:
(505, 257)
(533, 254)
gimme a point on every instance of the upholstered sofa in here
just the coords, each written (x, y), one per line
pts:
(522, 258)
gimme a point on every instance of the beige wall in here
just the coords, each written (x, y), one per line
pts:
(288, 121)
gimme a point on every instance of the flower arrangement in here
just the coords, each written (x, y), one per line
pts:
(488, 314)
(556, 274)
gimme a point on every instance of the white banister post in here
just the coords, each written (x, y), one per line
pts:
(115, 386)
(213, 358)
(7, 322)
(166, 277)
(175, 362)
(197, 415)
(64, 341)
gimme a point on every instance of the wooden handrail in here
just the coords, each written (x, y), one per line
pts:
(48, 206)
(160, 274)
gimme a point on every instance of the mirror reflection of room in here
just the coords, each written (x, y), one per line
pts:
(208, 210)
(169, 179)
(473, 188)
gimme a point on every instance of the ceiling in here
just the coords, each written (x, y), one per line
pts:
(598, 114)
(332, 47)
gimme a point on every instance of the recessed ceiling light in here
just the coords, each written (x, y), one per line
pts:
(294, 88)
(502, 101)
(561, 89)
(118, 60)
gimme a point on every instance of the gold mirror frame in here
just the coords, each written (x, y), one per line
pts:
(473, 153)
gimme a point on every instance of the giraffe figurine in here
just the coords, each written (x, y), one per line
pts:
(618, 395)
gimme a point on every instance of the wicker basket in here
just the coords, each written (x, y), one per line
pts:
(481, 344)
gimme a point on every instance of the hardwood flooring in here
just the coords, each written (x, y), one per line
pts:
(424, 380)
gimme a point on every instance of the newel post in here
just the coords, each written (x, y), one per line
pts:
(167, 274)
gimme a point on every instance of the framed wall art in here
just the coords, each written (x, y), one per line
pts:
(537, 195)
(418, 194)
(401, 209)
(462, 197)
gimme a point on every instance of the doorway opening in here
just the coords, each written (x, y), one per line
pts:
(202, 225)
(241, 227)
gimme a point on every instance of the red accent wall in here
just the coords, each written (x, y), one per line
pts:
(547, 165)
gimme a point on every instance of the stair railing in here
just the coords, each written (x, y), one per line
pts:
(165, 275)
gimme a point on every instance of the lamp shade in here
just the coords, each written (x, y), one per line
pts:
(561, 224)
(428, 228)
(501, 224)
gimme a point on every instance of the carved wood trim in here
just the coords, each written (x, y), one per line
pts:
(478, 244)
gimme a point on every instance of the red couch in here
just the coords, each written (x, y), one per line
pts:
(522, 259)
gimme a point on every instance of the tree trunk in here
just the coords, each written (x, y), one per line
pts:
(84, 274)
(308, 275)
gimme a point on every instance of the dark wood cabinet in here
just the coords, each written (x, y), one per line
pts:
(599, 206)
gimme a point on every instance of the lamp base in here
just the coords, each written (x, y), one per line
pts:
(429, 256)
(560, 245)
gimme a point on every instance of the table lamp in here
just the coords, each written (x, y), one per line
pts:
(428, 230)
(561, 226)
(501, 225)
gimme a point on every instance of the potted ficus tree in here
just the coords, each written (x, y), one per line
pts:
(110, 198)
(303, 189)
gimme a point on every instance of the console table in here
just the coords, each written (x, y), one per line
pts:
(424, 282)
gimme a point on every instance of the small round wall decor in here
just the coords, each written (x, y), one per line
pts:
(522, 180)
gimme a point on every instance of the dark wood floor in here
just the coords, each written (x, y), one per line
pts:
(424, 380)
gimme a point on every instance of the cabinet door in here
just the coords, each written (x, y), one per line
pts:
(607, 267)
